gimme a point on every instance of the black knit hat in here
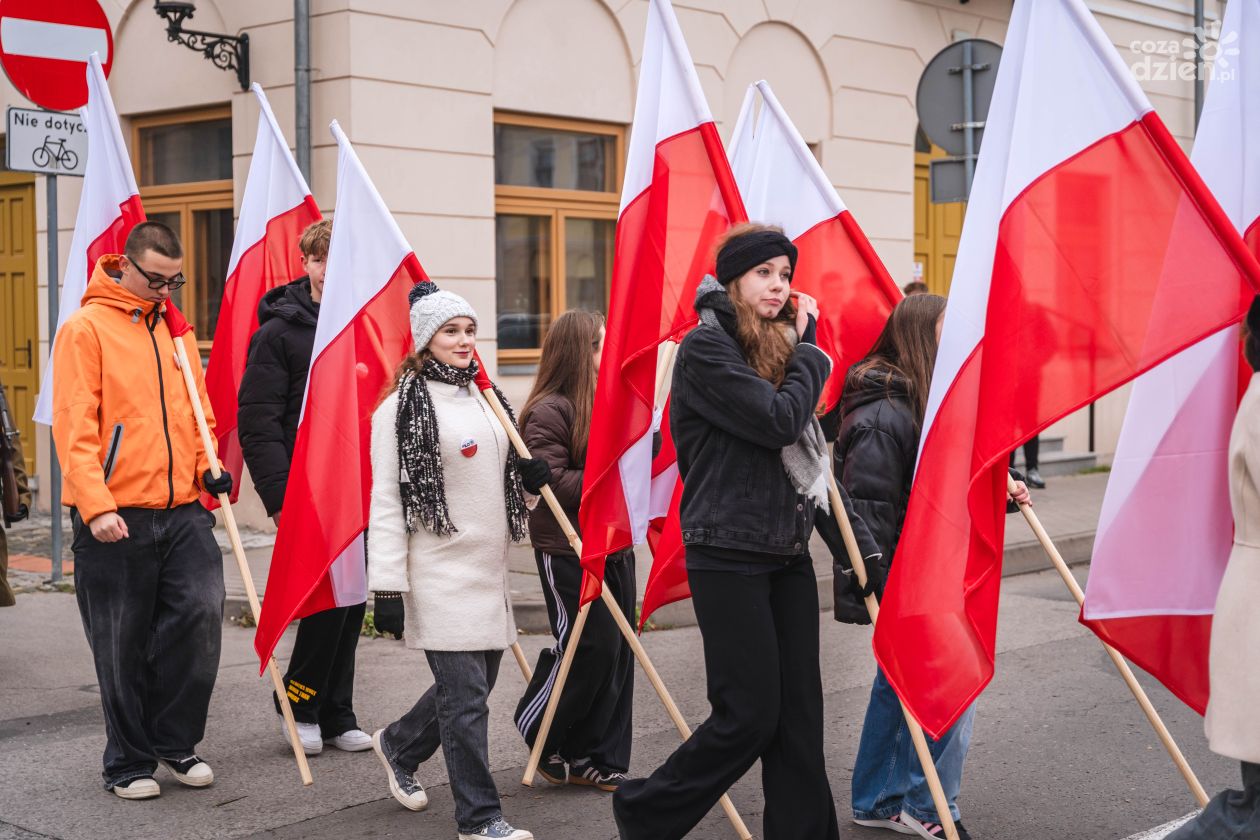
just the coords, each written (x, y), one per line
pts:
(746, 251)
(1251, 334)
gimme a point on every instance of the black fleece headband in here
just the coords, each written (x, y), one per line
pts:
(750, 250)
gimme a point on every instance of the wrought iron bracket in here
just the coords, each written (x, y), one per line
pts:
(227, 52)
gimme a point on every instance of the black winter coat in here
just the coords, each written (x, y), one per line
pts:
(270, 399)
(874, 456)
(729, 426)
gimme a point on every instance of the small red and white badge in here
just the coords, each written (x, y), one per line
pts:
(468, 448)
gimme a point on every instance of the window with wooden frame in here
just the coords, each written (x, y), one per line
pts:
(183, 163)
(557, 192)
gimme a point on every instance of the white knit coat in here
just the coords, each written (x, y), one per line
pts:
(457, 586)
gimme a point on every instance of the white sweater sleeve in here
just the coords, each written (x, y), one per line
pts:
(387, 532)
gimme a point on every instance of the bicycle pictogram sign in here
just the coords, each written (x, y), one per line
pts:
(54, 155)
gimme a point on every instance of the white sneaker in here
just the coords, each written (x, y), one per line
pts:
(308, 734)
(497, 829)
(144, 787)
(190, 771)
(352, 740)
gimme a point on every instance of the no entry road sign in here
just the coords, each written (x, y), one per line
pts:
(44, 48)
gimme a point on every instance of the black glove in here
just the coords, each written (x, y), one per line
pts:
(22, 512)
(388, 613)
(217, 486)
(535, 474)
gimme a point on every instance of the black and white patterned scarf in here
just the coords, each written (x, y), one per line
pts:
(420, 482)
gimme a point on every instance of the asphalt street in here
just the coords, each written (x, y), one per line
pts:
(1060, 748)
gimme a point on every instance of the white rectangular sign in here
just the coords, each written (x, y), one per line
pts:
(48, 142)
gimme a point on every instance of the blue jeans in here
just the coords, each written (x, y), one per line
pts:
(453, 714)
(888, 778)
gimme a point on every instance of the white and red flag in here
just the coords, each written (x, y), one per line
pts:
(276, 208)
(109, 208)
(1091, 252)
(362, 334)
(1166, 529)
(782, 183)
(678, 197)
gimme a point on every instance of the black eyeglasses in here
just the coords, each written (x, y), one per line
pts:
(156, 283)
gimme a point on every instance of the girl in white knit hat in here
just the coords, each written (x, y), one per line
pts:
(446, 501)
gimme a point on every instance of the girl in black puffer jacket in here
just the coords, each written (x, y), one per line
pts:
(881, 412)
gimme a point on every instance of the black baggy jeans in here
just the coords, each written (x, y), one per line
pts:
(761, 649)
(594, 718)
(320, 679)
(152, 609)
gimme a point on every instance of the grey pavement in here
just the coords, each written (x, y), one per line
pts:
(1060, 748)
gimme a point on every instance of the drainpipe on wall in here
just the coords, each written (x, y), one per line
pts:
(302, 84)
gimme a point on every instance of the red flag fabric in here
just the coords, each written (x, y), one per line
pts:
(1166, 530)
(276, 208)
(678, 197)
(1092, 252)
(362, 334)
(782, 183)
(109, 208)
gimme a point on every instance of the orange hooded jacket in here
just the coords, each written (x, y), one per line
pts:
(124, 427)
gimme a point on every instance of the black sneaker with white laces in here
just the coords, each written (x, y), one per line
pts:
(496, 829)
(191, 771)
(402, 783)
(554, 769)
(585, 773)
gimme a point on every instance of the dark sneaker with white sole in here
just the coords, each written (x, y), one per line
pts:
(190, 771)
(931, 829)
(497, 829)
(144, 787)
(585, 773)
(554, 769)
(402, 783)
(892, 823)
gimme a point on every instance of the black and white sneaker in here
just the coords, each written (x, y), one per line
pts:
(554, 769)
(585, 773)
(402, 783)
(190, 771)
(497, 829)
(893, 823)
(143, 787)
(930, 829)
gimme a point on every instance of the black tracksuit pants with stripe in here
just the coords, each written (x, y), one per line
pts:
(593, 718)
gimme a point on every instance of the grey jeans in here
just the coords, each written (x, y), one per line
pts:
(1231, 815)
(454, 714)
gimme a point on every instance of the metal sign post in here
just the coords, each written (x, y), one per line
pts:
(952, 102)
(49, 143)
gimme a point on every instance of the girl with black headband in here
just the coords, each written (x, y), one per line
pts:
(446, 501)
(753, 461)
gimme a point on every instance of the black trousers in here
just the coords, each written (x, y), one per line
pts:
(320, 679)
(152, 609)
(761, 653)
(1230, 814)
(1032, 451)
(594, 716)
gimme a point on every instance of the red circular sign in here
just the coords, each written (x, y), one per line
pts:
(44, 48)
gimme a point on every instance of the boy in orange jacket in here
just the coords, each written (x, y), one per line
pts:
(148, 572)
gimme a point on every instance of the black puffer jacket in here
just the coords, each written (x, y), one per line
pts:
(270, 398)
(729, 426)
(875, 454)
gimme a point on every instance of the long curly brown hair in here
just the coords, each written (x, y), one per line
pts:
(767, 342)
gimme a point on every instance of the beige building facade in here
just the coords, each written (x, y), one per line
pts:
(496, 129)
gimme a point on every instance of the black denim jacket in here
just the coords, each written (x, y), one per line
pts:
(728, 426)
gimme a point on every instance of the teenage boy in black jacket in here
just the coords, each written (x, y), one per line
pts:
(320, 679)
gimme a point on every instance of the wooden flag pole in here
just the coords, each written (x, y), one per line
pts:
(1126, 673)
(872, 606)
(242, 563)
(627, 631)
(522, 661)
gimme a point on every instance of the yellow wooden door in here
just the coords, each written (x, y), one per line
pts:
(19, 308)
(937, 228)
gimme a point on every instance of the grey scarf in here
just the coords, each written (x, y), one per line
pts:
(806, 461)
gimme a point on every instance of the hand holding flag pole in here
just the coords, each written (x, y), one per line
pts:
(238, 550)
(1126, 673)
(872, 607)
(627, 631)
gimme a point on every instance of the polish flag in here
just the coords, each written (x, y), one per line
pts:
(678, 197)
(1092, 251)
(1166, 529)
(782, 183)
(363, 333)
(276, 208)
(108, 209)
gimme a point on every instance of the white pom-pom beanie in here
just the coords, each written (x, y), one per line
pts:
(431, 308)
